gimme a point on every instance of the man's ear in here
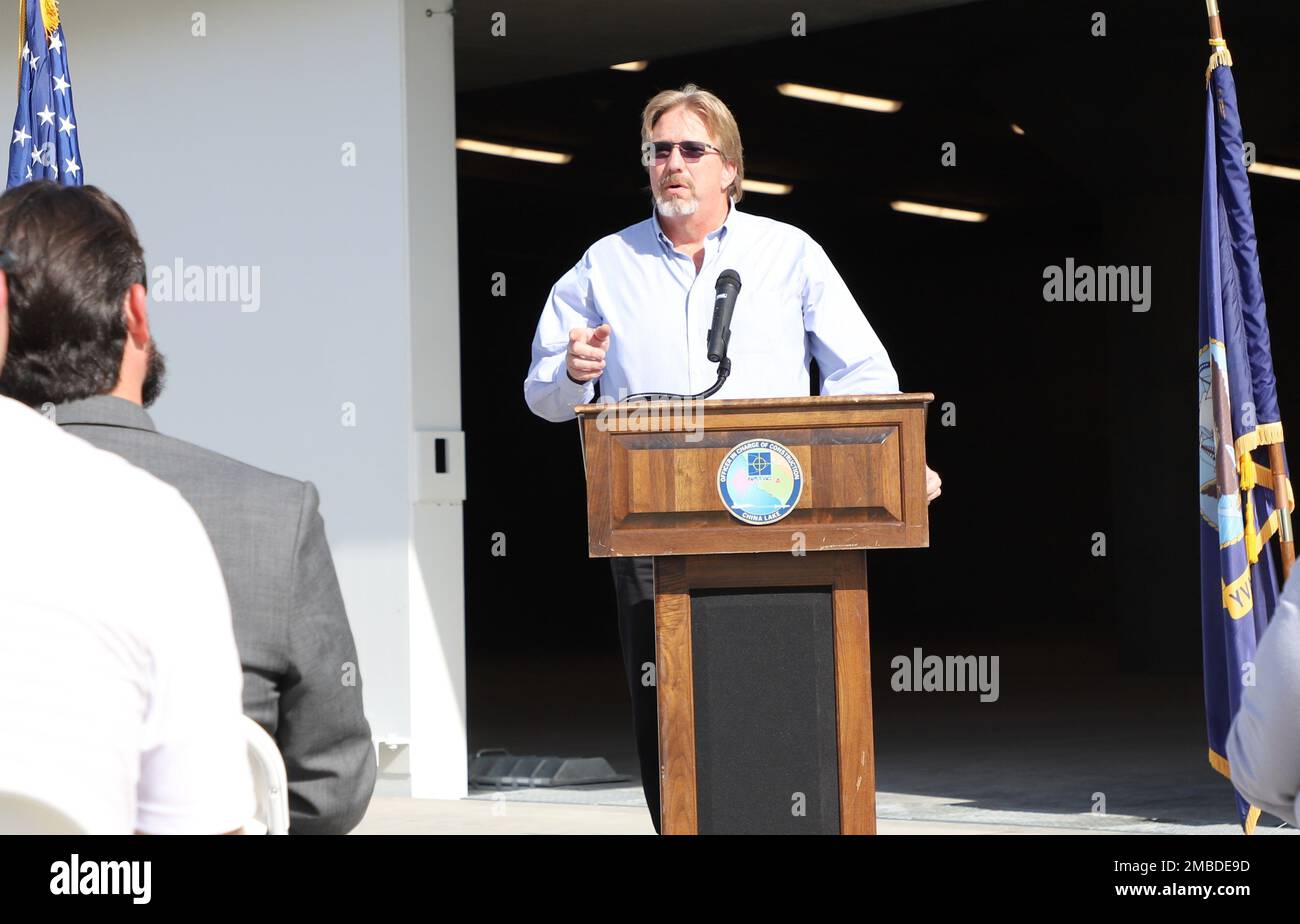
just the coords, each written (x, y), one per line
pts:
(728, 175)
(135, 307)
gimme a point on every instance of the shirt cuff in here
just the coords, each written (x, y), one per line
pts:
(575, 392)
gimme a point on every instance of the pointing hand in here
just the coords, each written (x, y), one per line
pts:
(585, 359)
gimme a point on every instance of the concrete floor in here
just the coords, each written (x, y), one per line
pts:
(1053, 746)
(397, 815)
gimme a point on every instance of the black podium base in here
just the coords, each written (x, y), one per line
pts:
(765, 733)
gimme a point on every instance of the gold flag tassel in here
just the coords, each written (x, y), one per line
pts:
(1220, 55)
(49, 16)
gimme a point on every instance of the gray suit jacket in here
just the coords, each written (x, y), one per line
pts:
(1264, 740)
(290, 625)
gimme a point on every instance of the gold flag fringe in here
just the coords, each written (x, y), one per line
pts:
(49, 16)
(1220, 55)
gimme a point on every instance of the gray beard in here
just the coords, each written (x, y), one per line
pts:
(672, 207)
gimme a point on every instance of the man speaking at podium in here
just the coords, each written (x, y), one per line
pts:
(636, 310)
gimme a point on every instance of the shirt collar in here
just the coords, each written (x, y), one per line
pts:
(719, 232)
(104, 411)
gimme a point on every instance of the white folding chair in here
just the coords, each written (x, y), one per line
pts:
(24, 814)
(270, 782)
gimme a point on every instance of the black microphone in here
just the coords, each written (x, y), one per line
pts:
(724, 302)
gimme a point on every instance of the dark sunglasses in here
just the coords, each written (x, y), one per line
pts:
(691, 150)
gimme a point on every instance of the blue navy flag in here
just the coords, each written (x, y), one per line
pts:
(1239, 417)
(44, 145)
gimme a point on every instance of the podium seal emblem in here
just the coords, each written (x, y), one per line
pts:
(759, 481)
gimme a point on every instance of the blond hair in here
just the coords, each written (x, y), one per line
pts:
(715, 115)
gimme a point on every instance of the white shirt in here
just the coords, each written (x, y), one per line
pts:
(792, 307)
(120, 697)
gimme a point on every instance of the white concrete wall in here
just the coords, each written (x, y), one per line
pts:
(228, 149)
(437, 561)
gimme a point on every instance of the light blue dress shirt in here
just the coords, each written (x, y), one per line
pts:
(1264, 741)
(793, 307)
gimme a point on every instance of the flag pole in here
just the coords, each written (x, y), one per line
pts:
(1220, 55)
(22, 32)
(1216, 28)
(1286, 541)
(1281, 496)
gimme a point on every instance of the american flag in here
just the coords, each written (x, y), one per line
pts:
(45, 130)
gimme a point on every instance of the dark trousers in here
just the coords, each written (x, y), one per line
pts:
(635, 594)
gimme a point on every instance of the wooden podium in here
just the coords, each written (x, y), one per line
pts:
(762, 671)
